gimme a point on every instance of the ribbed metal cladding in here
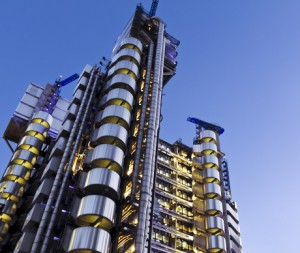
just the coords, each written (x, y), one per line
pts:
(19, 168)
(104, 163)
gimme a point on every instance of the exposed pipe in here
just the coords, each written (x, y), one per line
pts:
(150, 145)
(68, 169)
(56, 184)
(153, 172)
(142, 118)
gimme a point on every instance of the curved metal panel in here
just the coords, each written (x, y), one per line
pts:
(211, 176)
(43, 118)
(30, 143)
(125, 65)
(52, 166)
(104, 181)
(215, 225)
(208, 136)
(25, 243)
(205, 148)
(3, 228)
(66, 128)
(17, 173)
(127, 52)
(216, 243)
(59, 146)
(96, 211)
(122, 81)
(110, 134)
(8, 210)
(106, 156)
(11, 190)
(132, 41)
(114, 114)
(37, 130)
(24, 157)
(210, 161)
(33, 217)
(212, 190)
(43, 190)
(118, 97)
(89, 239)
(213, 207)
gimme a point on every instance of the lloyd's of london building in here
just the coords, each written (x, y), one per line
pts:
(92, 175)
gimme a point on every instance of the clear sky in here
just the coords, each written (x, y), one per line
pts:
(238, 66)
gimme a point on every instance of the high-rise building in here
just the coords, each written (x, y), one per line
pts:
(193, 210)
(91, 175)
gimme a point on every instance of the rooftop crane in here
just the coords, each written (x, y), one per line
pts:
(59, 84)
(153, 8)
(208, 126)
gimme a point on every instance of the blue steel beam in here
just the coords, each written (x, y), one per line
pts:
(206, 125)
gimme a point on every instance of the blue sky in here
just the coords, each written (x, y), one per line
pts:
(238, 66)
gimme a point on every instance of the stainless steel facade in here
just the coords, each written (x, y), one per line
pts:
(91, 175)
(192, 212)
